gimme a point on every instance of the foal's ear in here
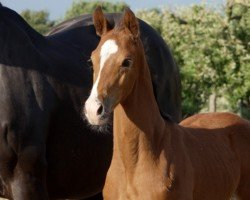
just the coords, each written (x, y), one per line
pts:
(131, 22)
(100, 22)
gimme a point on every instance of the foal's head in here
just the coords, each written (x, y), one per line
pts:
(115, 63)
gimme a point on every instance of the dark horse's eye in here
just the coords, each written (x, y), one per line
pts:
(89, 63)
(127, 62)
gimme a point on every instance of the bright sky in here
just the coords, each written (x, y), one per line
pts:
(57, 8)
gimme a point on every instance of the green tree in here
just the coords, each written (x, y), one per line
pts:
(153, 17)
(80, 7)
(39, 20)
(197, 43)
(238, 14)
(238, 19)
(210, 51)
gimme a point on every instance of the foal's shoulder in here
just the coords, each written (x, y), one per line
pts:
(212, 120)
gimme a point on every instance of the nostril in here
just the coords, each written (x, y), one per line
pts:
(100, 109)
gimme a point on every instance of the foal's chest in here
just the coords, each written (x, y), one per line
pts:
(150, 184)
(146, 190)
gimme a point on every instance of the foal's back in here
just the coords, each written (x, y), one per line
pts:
(226, 128)
(213, 120)
(221, 141)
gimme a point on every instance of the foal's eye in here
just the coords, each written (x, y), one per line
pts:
(127, 62)
(89, 63)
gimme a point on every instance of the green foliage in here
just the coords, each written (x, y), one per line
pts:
(212, 51)
(239, 20)
(238, 16)
(152, 17)
(39, 20)
(80, 7)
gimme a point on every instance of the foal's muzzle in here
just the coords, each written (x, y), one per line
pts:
(96, 112)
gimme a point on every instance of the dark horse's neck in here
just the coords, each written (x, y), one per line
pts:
(138, 125)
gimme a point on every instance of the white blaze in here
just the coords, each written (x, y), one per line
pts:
(92, 104)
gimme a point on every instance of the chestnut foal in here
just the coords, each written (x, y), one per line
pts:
(206, 157)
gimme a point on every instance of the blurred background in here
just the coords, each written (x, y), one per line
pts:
(210, 41)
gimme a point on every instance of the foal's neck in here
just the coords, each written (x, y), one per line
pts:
(138, 125)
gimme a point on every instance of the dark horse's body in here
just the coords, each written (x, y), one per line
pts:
(46, 149)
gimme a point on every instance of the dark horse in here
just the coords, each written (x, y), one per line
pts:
(46, 149)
